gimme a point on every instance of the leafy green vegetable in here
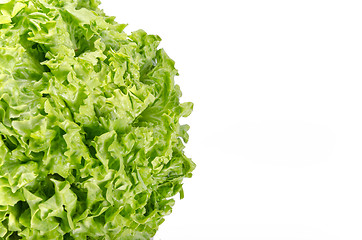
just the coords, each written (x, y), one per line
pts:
(91, 146)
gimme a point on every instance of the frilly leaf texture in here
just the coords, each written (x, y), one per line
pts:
(91, 146)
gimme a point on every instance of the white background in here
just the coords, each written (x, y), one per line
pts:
(277, 126)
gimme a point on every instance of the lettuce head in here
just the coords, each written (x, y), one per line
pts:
(90, 141)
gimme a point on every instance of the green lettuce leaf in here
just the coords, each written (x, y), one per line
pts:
(91, 146)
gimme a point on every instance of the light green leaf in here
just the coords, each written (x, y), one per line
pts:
(5, 1)
(91, 146)
(5, 19)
